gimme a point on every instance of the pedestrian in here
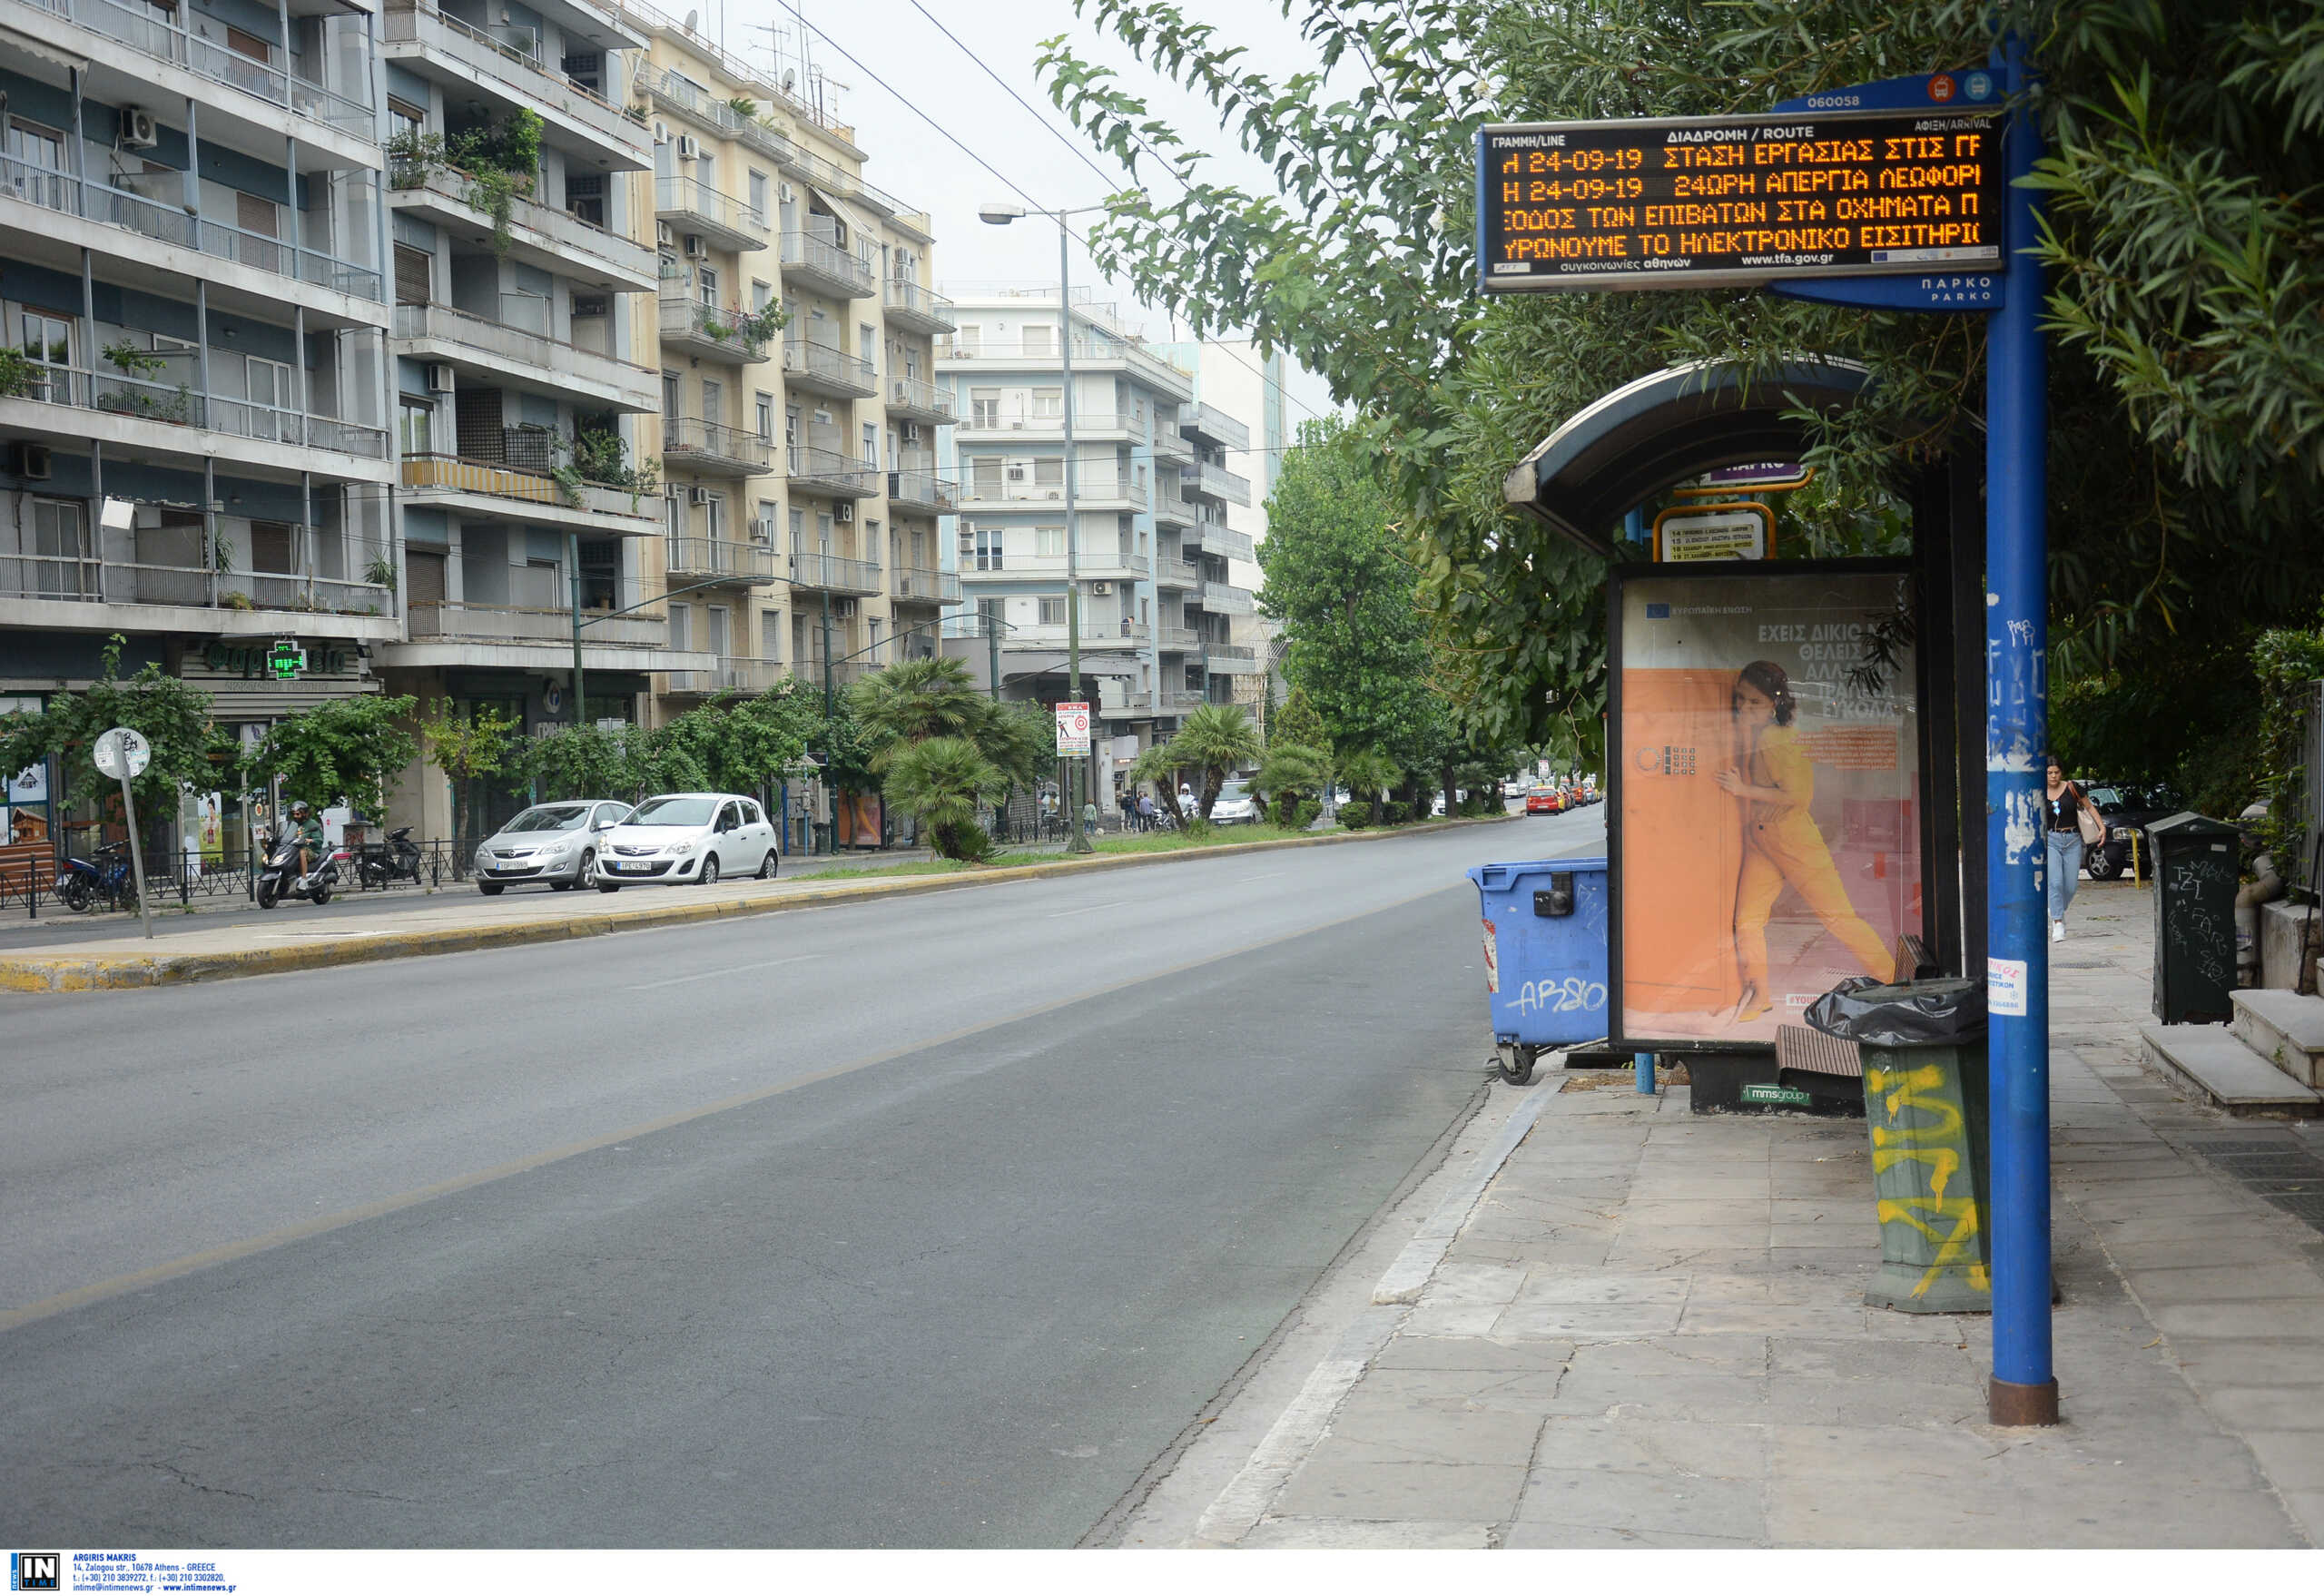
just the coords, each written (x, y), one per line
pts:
(1146, 812)
(1088, 818)
(2074, 825)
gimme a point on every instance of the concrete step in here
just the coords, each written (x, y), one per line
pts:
(2286, 1028)
(2212, 1060)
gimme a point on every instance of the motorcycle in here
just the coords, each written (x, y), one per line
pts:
(105, 879)
(280, 878)
(396, 858)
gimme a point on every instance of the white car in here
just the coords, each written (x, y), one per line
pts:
(555, 843)
(1235, 805)
(688, 837)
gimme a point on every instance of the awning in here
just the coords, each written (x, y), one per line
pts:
(854, 220)
(31, 45)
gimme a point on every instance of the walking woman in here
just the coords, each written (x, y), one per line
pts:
(1781, 846)
(2072, 822)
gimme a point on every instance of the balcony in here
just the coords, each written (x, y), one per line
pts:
(1172, 513)
(924, 490)
(1111, 565)
(497, 623)
(827, 470)
(498, 352)
(465, 59)
(911, 399)
(1088, 427)
(915, 585)
(1208, 424)
(1216, 482)
(693, 328)
(913, 308)
(821, 368)
(1224, 542)
(680, 97)
(1220, 599)
(1040, 354)
(1100, 493)
(1170, 573)
(1232, 659)
(830, 573)
(1181, 703)
(143, 222)
(706, 559)
(28, 580)
(539, 235)
(490, 490)
(151, 32)
(68, 408)
(723, 221)
(713, 449)
(1168, 444)
(746, 678)
(818, 263)
(1177, 639)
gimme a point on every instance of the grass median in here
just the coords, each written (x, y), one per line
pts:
(1122, 842)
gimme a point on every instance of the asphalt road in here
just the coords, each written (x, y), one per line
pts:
(927, 1222)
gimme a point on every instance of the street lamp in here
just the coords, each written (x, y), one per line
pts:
(1000, 214)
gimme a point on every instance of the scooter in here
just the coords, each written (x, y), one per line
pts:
(104, 878)
(396, 858)
(280, 878)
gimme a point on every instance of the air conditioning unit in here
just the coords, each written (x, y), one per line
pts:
(912, 432)
(666, 235)
(439, 378)
(696, 250)
(843, 511)
(32, 461)
(697, 496)
(1017, 472)
(137, 128)
(1102, 589)
(842, 609)
(687, 148)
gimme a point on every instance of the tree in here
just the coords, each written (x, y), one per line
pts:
(352, 748)
(1368, 773)
(943, 783)
(739, 747)
(465, 744)
(915, 699)
(1297, 721)
(587, 762)
(173, 718)
(1290, 770)
(1214, 739)
(1156, 767)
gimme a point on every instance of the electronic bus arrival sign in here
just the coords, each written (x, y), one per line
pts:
(1700, 202)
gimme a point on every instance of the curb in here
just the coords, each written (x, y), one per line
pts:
(64, 972)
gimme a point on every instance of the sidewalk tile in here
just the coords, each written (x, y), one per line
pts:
(1368, 1535)
(1844, 1360)
(1566, 1285)
(2267, 1407)
(1769, 1318)
(1628, 1446)
(1644, 1503)
(1594, 1321)
(2227, 1282)
(1471, 1353)
(2293, 1458)
(1452, 1318)
(1383, 1426)
(2295, 1320)
(1474, 1283)
(1332, 1488)
(1530, 1391)
(1527, 1535)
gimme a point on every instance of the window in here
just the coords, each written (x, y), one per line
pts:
(713, 400)
(713, 515)
(585, 196)
(984, 407)
(764, 405)
(47, 341)
(62, 570)
(417, 431)
(1049, 474)
(408, 121)
(1049, 403)
(271, 394)
(758, 193)
(1053, 612)
(760, 294)
(670, 396)
(720, 644)
(1041, 338)
(968, 341)
(798, 530)
(590, 307)
(411, 275)
(981, 549)
(871, 443)
(586, 72)
(1048, 542)
(705, 285)
(771, 635)
(681, 627)
(875, 642)
(984, 476)
(867, 340)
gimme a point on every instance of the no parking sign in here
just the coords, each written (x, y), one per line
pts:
(1073, 728)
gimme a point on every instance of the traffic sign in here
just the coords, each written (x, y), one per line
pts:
(121, 754)
(1073, 728)
(286, 659)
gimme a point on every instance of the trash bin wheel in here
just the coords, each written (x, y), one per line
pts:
(1515, 1062)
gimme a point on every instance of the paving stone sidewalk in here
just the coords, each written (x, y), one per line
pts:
(1651, 1332)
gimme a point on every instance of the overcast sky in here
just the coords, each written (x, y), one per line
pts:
(926, 72)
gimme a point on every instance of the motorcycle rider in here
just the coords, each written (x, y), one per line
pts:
(311, 835)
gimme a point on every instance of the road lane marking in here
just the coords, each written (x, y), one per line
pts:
(322, 1225)
(679, 980)
(1262, 875)
(1086, 909)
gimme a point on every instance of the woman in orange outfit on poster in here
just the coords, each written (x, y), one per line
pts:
(1781, 846)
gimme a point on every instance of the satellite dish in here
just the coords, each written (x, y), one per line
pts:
(692, 18)
(789, 79)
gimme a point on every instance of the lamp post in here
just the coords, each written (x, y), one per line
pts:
(1001, 214)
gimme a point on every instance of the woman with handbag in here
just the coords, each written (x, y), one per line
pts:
(2073, 826)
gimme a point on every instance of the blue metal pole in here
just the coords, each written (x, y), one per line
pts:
(2024, 1390)
(1634, 529)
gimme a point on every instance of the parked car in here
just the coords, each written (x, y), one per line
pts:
(1545, 800)
(1235, 805)
(688, 837)
(2126, 807)
(555, 843)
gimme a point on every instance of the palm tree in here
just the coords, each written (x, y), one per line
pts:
(916, 699)
(943, 783)
(1155, 766)
(1293, 768)
(1367, 773)
(1216, 739)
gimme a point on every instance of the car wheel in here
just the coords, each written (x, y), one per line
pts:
(2101, 864)
(606, 886)
(588, 874)
(709, 871)
(767, 866)
(490, 889)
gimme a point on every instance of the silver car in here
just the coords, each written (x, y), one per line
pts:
(558, 843)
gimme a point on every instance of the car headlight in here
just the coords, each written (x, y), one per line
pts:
(682, 850)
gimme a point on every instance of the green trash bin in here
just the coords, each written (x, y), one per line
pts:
(1923, 1045)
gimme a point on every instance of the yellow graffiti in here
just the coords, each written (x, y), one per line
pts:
(1942, 1147)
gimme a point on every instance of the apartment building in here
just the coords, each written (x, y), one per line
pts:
(800, 532)
(1137, 552)
(196, 439)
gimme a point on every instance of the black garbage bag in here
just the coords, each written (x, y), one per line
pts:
(1910, 1013)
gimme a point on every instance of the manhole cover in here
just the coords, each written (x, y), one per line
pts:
(2308, 1208)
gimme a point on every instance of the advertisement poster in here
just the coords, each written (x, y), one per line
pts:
(1768, 741)
(857, 819)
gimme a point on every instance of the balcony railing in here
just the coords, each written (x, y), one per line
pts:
(1216, 481)
(925, 490)
(87, 579)
(909, 301)
(499, 344)
(686, 201)
(703, 557)
(988, 490)
(172, 225)
(805, 252)
(1087, 424)
(181, 404)
(751, 676)
(831, 573)
(149, 30)
(451, 473)
(551, 231)
(1220, 599)
(1176, 639)
(520, 75)
(910, 395)
(500, 623)
(1042, 351)
(835, 472)
(690, 321)
(1224, 541)
(1170, 573)
(697, 442)
(809, 357)
(915, 585)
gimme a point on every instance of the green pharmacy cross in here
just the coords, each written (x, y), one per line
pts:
(286, 660)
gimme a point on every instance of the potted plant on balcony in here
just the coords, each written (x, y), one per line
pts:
(17, 374)
(143, 366)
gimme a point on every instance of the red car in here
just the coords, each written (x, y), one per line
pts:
(1545, 800)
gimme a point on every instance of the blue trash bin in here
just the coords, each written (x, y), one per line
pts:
(1545, 956)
